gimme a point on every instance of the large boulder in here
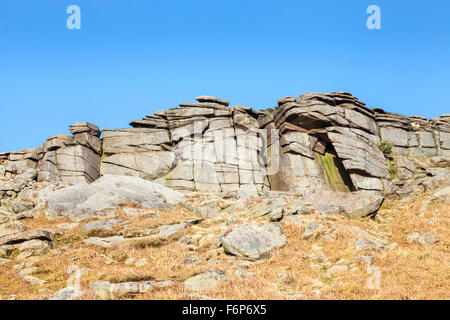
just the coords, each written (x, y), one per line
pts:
(252, 242)
(110, 191)
(356, 204)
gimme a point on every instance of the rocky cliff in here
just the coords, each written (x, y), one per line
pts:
(314, 142)
(210, 201)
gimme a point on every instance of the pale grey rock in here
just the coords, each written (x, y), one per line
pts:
(276, 214)
(105, 242)
(274, 227)
(191, 260)
(205, 213)
(102, 224)
(251, 242)
(428, 239)
(111, 291)
(108, 192)
(368, 260)
(34, 280)
(356, 205)
(205, 281)
(310, 231)
(20, 237)
(213, 100)
(68, 293)
(166, 231)
(68, 225)
(365, 244)
(141, 262)
(336, 270)
(293, 219)
(412, 237)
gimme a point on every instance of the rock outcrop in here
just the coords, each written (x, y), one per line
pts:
(326, 142)
(316, 142)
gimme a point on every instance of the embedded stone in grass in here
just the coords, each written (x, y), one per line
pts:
(205, 281)
(68, 293)
(428, 238)
(251, 242)
(363, 244)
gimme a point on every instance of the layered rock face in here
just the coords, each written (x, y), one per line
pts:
(326, 142)
(70, 159)
(204, 146)
(415, 136)
(317, 142)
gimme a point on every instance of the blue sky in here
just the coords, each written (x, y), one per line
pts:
(134, 57)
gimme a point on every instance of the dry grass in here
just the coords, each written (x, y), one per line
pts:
(297, 271)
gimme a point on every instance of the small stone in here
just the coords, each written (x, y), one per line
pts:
(185, 240)
(310, 230)
(191, 260)
(428, 239)
(35, 281)
(205, 281)
(207, 212)
(337, 269)
(362, 244)
(243, 274)
(68, 293)
(392, 246)
(412, 237)
(68, 225)
(141, 262)
(368, 260)
(276, 215)
(293, 219)
(130, 261)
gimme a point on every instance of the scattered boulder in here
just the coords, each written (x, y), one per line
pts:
(356, 205)
(428, 239)
(251, 242)
(68, 293)
(364, 244)
(205, 281)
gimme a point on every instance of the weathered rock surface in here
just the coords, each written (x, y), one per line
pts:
(313, 144)
(251, 242)
(81, 201)
(205, 281)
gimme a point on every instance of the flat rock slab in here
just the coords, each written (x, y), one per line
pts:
(111, 291)
(103, 224)
(19, 237)
(82, 201)
(105, 242)
(356, 205)
(364, 244)
(69, 293)
(252, 242)
(205, 281)
(169, 230)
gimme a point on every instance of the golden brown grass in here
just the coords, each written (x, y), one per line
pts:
(409, 271)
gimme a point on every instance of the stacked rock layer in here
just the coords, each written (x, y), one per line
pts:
(317, 141)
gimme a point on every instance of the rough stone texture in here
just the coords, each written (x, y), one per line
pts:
(316, 142)
(205, 281)
(72, 159)
(414, 136)
(356, 205)
(83, 200)
(324, 142)
(252, 242)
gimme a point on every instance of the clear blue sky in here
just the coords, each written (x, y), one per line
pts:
(133, 57)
